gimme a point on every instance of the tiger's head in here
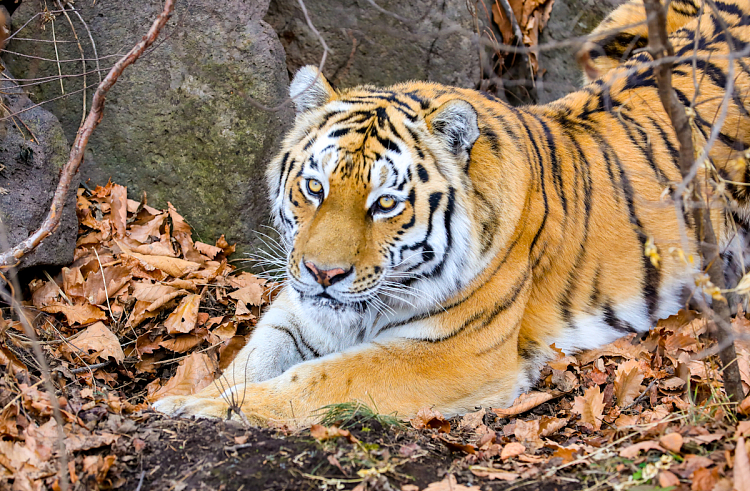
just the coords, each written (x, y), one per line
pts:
(370, 192)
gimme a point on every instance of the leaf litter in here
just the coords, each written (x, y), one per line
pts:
(145, 311)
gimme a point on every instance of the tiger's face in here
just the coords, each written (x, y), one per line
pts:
(369, 193)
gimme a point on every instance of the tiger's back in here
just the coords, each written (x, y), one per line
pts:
(449, 239)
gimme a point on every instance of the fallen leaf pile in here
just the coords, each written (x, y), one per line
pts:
(531, 17)
(646, 413)
(145, 311)
(143, 307)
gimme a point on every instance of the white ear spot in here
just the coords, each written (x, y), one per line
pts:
(309, 89)
(455, 123)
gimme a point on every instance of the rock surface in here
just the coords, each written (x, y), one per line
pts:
(411, 40)
(33, 149)
(180, 123)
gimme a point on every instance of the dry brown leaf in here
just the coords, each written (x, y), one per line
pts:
(491, 473)
(185, 316)
(667, 479)
(48, 294)
(632, 451)
(193, 374)
(77, 314)
(97, 338)
(322, 433)
(621, 347)
(98, 466)
(181, 343)
(430, 418)
(549, 425)
(511, 450)
(251, 294)
(73, 282)
(527, 431)
(449, 484)
(628, 378)
(672, 442)
(590, 406)
(116, 277)
(524, 403)
(470, 421)
(75, 442)
(744, 407)
(118, 200)
(160, 248)
(142, 233)
(704, 479)
(566, 454)
(11, 362)
(173, 266)
(225, 331)
(741, 467)
(208, 250)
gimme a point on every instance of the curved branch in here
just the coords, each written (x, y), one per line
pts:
(49, 225)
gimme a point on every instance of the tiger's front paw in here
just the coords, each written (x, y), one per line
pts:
(187, 406)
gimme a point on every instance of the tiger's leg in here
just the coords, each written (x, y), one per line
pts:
(475, 362)
(277, 343)
(624, 31)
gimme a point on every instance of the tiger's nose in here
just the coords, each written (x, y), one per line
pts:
(327, 277)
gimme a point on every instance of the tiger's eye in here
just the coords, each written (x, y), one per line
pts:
(386, 202)
(314, 186)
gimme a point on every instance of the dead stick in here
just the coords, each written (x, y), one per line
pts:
(660, 47)
(49, 225)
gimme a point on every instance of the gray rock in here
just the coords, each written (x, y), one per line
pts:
(180, 124)
(435, 42)
(33, 150)
(569, 19)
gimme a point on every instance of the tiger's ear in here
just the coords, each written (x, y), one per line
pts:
(310, 89)
(455, 123)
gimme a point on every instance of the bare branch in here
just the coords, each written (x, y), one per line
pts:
(708, 246)
(11, 257)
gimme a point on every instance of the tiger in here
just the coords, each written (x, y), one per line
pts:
(443, 244)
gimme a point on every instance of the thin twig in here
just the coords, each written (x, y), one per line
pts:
(52, 220)
(83, 60)
(660, 47)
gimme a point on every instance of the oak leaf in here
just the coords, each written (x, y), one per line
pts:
(524, 403)
(194, 373)
(471, 421)
(511, 450)
(181, 343)
(668, 479)
(449, 484)
(251, 294)
(430, 418)
(671, 441)
(590, 406)
(97, 338)
(322, 433)
(704, 479)
(142, 233)
(741, 467)
(11, 362)
(632, 451)
(185, 317)
(77, 314)
(118, 200)
(628, 380)
(173, 266)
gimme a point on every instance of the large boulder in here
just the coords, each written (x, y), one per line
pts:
(569, 19)
(33, 150)
(383, 42)
(182, 124)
